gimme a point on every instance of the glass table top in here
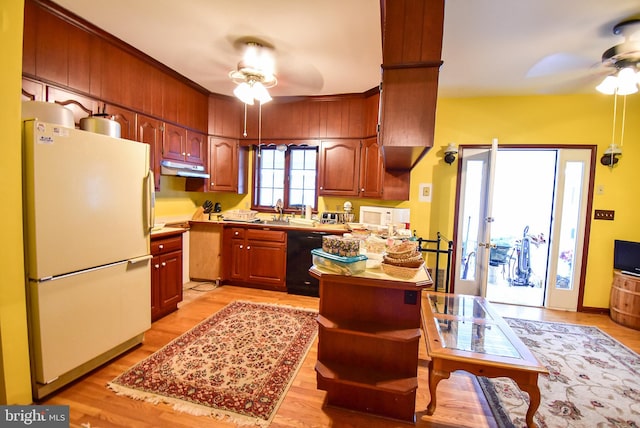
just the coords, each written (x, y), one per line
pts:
(459, 306)
(472, 336)
(466, 323)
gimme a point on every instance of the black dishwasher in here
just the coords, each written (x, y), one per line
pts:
(299, 246)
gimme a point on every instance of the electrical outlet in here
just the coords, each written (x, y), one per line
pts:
(603, 214)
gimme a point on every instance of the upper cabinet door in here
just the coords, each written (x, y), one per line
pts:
(339, 168)
(196, 148)
(174, 143)
(149, 131)
(371, 169)
(223, 165)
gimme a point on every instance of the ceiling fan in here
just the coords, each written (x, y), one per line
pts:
(283, 70)
(567, 72)
(255, 73)
(623, 60)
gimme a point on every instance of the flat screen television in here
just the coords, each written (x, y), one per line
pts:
(626, 256)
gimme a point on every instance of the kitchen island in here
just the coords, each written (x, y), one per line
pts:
(369, 332)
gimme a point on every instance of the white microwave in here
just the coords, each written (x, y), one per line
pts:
(383, 216)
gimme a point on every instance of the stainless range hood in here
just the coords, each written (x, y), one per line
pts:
(181, 169)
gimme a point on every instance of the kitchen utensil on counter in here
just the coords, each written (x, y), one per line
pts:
(101, 123)
(217, 207)
(207, 206)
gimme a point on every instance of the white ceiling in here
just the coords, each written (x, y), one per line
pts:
(490, 47)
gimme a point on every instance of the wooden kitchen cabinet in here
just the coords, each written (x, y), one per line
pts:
(255, 257)
(368, 338)
(356, 168)
(371, 169)
(166, 274)
(180, 145)
(411, 59)
(228, 168)
(149, 131)
(339, 168)
(196, 145)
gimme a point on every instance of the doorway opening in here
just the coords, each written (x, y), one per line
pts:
(521, 220)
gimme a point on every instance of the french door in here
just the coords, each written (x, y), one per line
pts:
(521, 224)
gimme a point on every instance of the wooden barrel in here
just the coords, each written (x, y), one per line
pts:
(624, 306)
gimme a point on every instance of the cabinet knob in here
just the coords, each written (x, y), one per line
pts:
(184, 153)
(161, 246)
(241, 247)
(248, 247)
(164, 264)
(188, 154)
(212, 183)
(236, 233)
(321, 187)
(362, 190)
(157, 266)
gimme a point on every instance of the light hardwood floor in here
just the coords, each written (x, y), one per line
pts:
(93, 405)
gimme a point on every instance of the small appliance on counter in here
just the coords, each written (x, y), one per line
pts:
(348, 216)
(382, 217)
(329, 217)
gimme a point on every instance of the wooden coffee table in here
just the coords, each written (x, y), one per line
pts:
(465, 333)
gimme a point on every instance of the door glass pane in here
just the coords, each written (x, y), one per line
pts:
(569, 225)
(472, 207)
(522, 206)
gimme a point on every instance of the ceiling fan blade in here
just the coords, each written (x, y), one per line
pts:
(557, 63)
(576, 81)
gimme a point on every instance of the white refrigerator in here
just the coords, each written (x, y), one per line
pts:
(88, 204)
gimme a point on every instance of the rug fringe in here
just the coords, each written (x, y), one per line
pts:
(191, 409)
(281, 305)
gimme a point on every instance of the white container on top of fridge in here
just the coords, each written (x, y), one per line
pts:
(88, 215)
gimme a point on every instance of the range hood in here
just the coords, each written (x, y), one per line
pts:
(181, 169)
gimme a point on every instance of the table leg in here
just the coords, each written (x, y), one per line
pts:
(534, 401)
(435, 376)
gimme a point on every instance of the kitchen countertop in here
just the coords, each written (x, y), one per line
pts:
(338, 228)
(167, 231)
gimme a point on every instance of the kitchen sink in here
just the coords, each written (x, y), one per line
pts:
(277, 222)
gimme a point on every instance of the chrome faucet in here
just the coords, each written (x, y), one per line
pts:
(279, 209)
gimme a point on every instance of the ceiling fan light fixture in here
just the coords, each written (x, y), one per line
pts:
(244, 93)
(260, 93)
(608, 86)
(627, 81)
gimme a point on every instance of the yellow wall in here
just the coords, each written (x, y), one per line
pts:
(549, 119)
(15, 386)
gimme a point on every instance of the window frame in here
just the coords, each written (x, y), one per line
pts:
(288, 208)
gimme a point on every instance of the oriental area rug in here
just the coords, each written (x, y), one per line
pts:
(593, 381)
(238, 364)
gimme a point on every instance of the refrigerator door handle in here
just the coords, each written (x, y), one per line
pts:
(151, 201)
(140, 259)
(81, 272)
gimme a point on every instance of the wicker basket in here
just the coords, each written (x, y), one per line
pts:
(412, 262)
(401, 272)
